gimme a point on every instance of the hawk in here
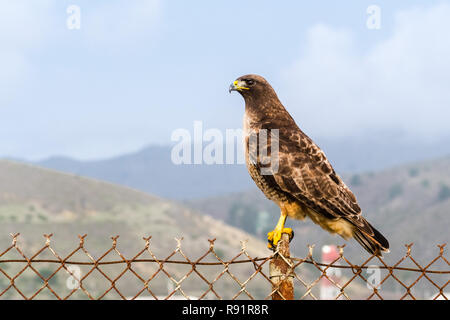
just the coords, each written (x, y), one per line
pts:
(302, 183)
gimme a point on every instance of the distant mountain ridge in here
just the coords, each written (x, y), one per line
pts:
(151, 169)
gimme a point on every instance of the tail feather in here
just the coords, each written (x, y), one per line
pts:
(374, 244)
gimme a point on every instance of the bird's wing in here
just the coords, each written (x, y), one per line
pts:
(305, 173)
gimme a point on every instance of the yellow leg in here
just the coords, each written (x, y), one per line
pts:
(274, 236)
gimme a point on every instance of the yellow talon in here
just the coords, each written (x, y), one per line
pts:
(274, 236)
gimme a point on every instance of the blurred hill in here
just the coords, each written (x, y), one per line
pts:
(32, 197)
(408, 203)
(151, 169)
(34, 201)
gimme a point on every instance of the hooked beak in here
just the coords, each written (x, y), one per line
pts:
(237, 86)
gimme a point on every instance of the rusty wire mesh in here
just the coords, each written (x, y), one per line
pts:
(143, 275)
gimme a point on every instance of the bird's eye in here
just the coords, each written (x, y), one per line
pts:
(250, 82)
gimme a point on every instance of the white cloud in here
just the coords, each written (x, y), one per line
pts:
(24, 23)
(120, 22)
(402, 81)
(27, 27)
(23, 29)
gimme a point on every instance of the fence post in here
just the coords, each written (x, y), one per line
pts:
(280, 271)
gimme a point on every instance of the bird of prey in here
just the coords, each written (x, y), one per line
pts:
(302, 183)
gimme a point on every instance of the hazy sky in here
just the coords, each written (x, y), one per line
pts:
(136, 70)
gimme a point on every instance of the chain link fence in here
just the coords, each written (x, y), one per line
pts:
(113, 275)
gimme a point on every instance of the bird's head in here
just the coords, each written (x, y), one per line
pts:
(250, 85)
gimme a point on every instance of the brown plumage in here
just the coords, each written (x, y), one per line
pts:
(303, 183)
